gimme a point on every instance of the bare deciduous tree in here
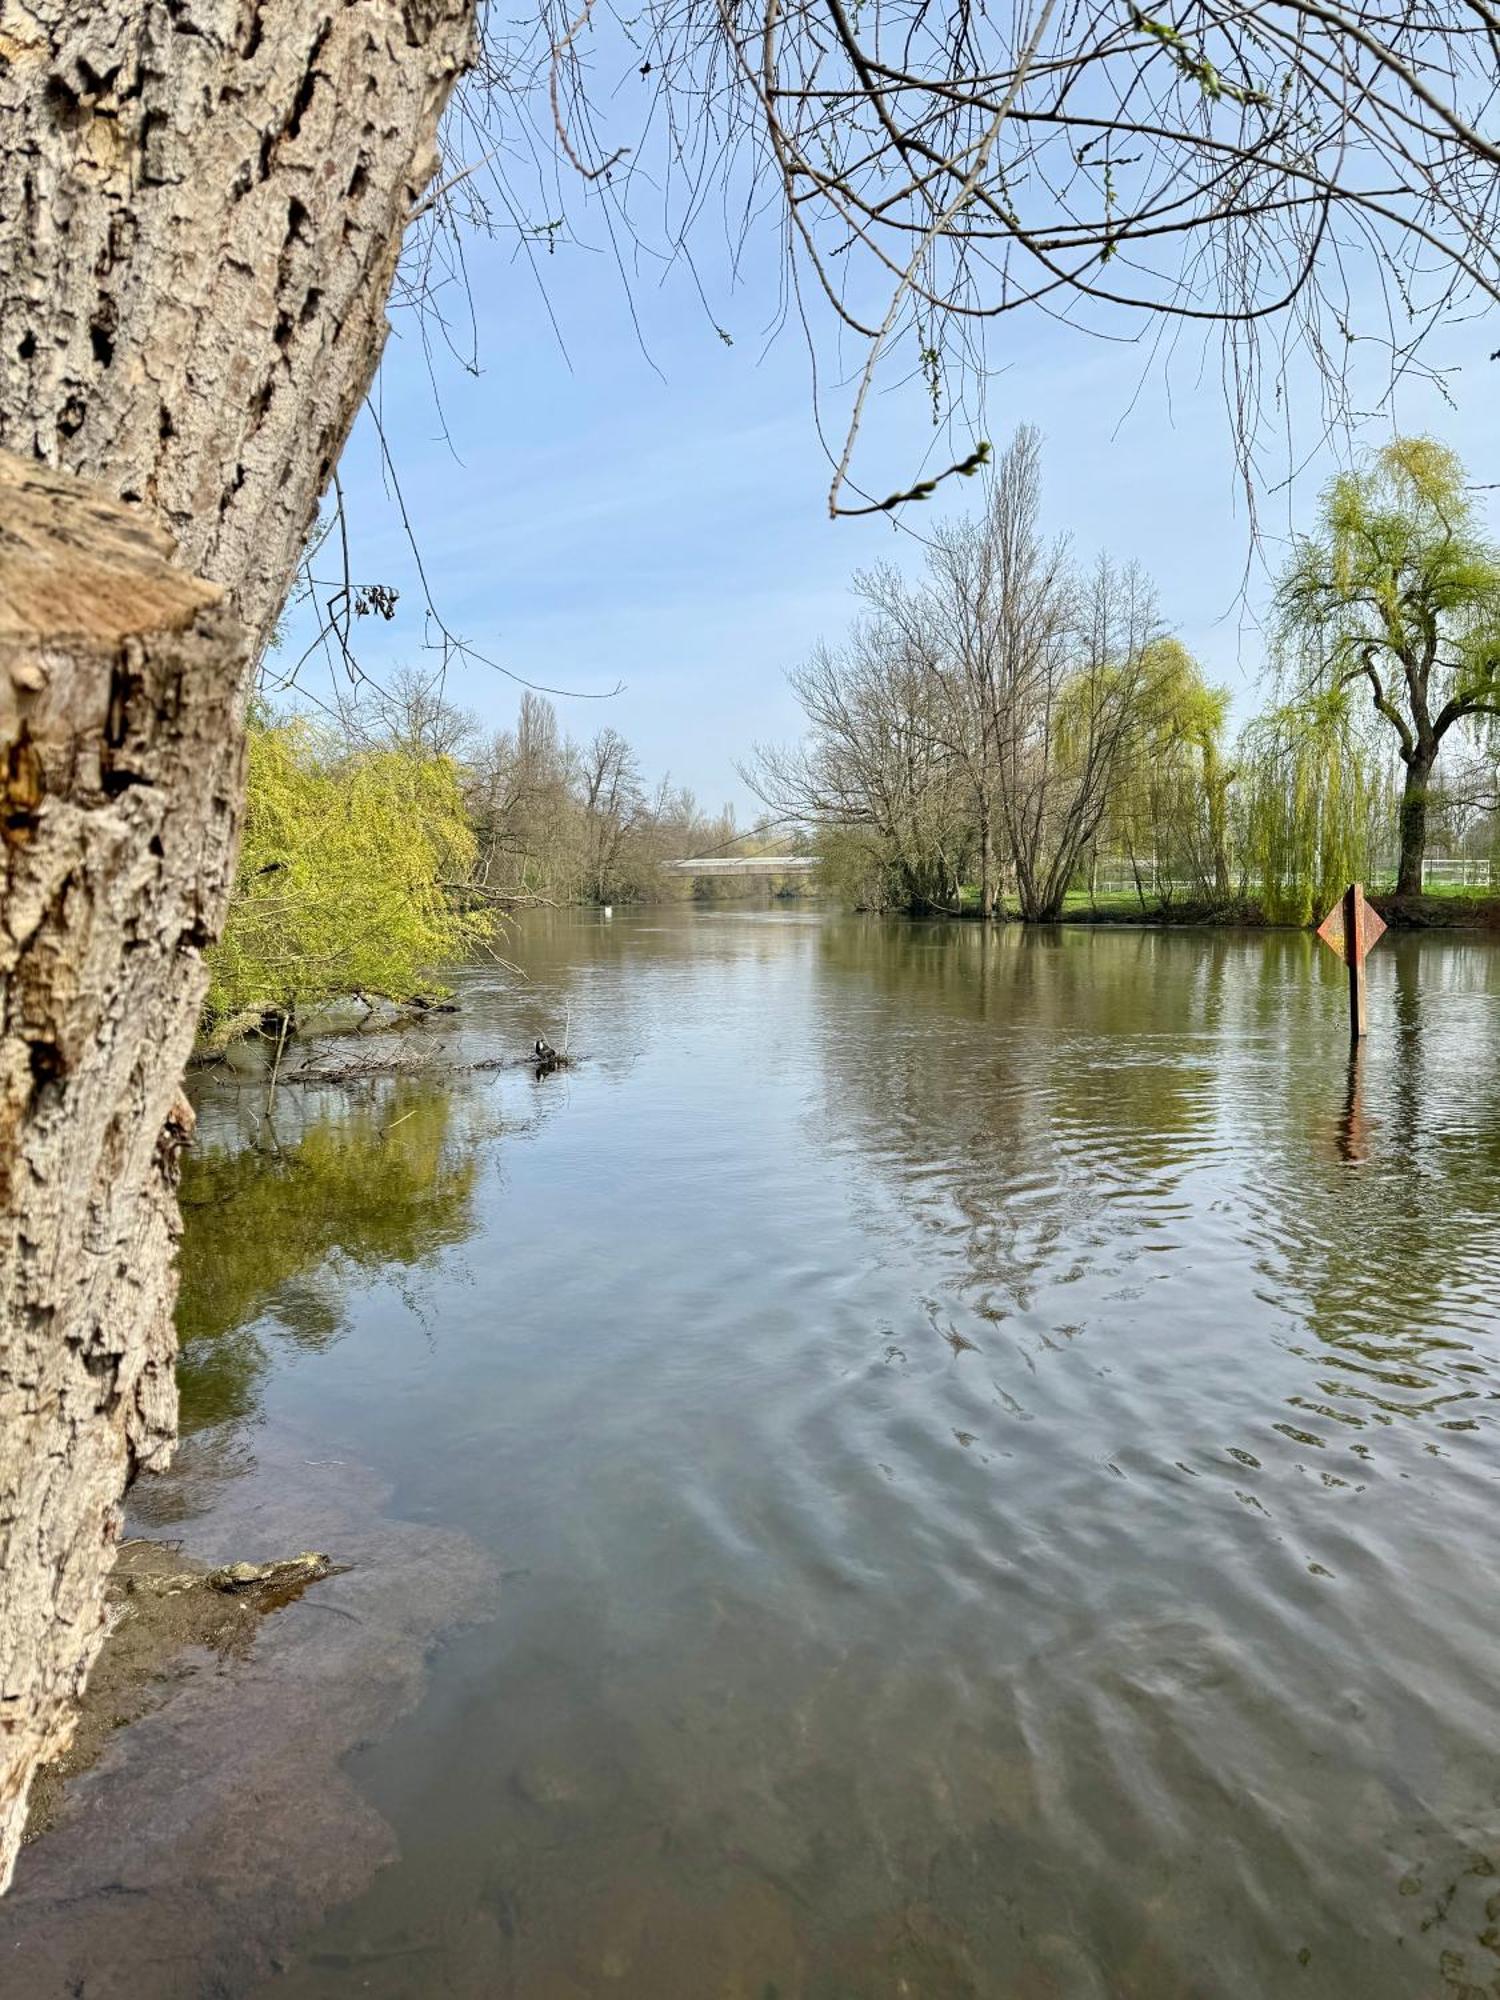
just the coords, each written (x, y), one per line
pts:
(993, 702)
(875, 758)
(1079, 700)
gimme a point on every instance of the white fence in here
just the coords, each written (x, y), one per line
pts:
(1114, 876)
(1455, 871)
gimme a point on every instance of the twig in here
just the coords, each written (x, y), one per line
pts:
(286, 1021)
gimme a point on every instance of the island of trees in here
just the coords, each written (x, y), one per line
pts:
(990, 733)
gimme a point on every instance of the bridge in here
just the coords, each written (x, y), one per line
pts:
(747, 864)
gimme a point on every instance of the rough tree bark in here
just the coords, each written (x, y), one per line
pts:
(1419, 769)
(203, 203)
(201, 207)
(120, 682)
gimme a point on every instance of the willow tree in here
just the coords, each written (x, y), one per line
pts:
(1171, 798)
(1398, 594)
(1313, 802)
(348, 862)
(204, 207)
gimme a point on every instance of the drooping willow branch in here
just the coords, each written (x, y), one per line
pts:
(1295, 176)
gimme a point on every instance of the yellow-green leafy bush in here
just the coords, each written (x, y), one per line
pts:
(346, 869)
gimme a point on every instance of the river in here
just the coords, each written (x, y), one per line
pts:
(929, 1461)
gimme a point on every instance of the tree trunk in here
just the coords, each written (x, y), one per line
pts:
(986, 869)
(1216, 782)
(1414, 823)
(204, 202)
(120, 685)
(1140, 887)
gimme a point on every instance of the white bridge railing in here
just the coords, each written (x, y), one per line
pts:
(747, 864)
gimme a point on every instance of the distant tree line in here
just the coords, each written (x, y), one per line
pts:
(387, 839)
(991, 732)
(1013, 727)
(558, 821)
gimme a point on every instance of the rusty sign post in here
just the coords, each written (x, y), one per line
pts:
(1350, 929)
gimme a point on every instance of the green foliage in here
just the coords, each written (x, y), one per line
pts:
(1195, 66)
(1170, 802)
(924, 489)
(344, 870)
(1314, 801)
(277, 1235)
(1397, 595)
(1399, 566)
(1400, 591)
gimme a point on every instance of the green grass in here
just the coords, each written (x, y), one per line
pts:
(1457, 892)
(1110, 903)
(1441, 904)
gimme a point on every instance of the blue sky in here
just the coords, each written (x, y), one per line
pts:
(650, 507)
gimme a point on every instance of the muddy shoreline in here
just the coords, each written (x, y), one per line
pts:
(203, 1819)
(163, 1608)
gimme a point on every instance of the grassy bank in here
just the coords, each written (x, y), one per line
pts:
(1439, 909)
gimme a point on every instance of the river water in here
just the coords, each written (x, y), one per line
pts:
(976, 1458)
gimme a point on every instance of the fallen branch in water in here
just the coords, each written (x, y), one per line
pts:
(371, 1064)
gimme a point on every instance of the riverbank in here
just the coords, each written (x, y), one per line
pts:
(162, 1606)
(176, 1856)
(1455, 912)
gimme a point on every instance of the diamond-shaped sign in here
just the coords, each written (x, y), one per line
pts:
(1371, 929)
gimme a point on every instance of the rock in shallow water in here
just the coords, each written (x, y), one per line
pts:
(222, 1825)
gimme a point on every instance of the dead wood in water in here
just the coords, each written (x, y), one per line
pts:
(371, 1064)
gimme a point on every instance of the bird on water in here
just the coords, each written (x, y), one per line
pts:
(543, 1051)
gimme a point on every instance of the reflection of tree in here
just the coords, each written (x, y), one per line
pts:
(1052, 1106)
(1022, 1081)
(1391, 1267)
(272, 1232)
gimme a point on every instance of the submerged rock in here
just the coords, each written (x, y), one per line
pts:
(295, 1572)
(184, 1854)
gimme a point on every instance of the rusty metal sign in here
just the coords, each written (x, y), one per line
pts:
(1350, 928)
(1334, 927)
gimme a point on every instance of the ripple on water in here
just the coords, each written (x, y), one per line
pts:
(993, 1435)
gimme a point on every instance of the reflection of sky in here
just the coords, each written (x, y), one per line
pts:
(949, 1414)
(628, 498)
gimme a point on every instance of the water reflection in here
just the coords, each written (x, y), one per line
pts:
(1065, 1117)
(991, 1503)
(1354, 1123)
(281, 1214)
